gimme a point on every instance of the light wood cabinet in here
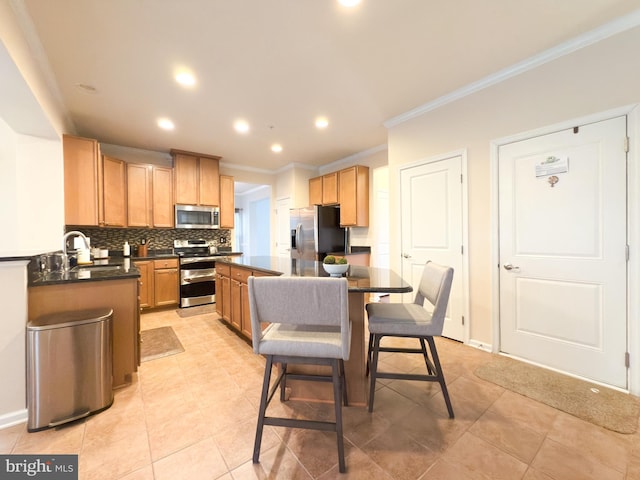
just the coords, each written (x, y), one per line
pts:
(209, 181)
(232, 296)
(196, 178)
(114, 195)
(324, 190)
(81, 180)
(315, 191)
(227, 202)
(159, 282)
(146, 283)
(138, 195)
(354, 196)
(330, 189)
(166, 288)
(162, 197)
(149, 196)
(223, 291)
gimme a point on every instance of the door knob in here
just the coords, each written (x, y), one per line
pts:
(406, 255)
(508, 266)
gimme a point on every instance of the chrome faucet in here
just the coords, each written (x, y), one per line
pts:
(65, 258)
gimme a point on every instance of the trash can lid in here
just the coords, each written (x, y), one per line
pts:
(65, 319)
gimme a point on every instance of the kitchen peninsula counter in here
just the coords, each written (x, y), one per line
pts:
(90, 288)
(362, 280)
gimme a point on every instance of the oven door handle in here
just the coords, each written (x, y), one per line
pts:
(203, 278)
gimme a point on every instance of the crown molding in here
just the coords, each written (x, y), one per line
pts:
(603, 32)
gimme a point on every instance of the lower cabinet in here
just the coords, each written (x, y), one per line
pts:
(232, 296)
(159, 282)
(146, 283)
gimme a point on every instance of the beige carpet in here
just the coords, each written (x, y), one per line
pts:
(158, 343)
(197, 310)
(602, 406)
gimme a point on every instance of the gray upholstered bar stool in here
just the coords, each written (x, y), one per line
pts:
(308, 324)
(414, 321)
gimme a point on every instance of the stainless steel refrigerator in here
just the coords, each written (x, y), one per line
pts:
(316, 231)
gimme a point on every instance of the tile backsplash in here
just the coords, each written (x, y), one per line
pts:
(160, 238)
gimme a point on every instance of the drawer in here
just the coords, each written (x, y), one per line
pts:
(165, 263)
(223, 269)
(240, 274)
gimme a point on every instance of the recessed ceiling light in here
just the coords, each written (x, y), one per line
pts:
(349, 3)
(186, 79)
(322, 122)
(165, 124)
(276, 148)
(241, 126)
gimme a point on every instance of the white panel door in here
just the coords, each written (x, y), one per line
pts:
(283, 240)
(431, 209)
(563, 269)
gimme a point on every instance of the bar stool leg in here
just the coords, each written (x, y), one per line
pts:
(263, 408)
(374, 370)
(440, 375)
(337, 401)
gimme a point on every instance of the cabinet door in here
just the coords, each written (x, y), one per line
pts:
(162, 197)
(227, 201)
(236, 304)
(209, 182)
(146, 284)
(114, 192)
(330, 188)
(166, 290)
(138, 195)
(186, 179)
(226, 298)
(219, 297)
(353, 185)
(246, 312)
(80, 180)
(315, 191)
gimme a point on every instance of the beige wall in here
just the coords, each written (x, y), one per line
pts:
(595, 79)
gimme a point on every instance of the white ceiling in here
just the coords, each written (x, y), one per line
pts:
(279, 64)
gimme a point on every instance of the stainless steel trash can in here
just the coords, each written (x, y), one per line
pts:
(69, 367)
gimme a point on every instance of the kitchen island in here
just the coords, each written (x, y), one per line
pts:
(110, 284)
(362, 281)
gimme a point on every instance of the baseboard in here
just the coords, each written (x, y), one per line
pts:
(14, 418)
(480, 345)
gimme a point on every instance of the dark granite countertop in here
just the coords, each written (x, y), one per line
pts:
(117, 268)
(361, 279)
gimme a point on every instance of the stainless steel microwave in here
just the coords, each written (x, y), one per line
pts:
(197, 216)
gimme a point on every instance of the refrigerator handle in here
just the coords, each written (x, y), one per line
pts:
(298, 242)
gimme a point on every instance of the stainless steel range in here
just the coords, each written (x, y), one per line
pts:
(197, 272)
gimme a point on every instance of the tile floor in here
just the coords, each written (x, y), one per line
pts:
(193, 415)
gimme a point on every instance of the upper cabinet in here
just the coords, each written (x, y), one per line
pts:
(114, 197)
(354, 196)
(196, 178)
(150, 196)
(227, 201)
(162, 197)
(138, 195)
(324, 190)
(81, 167)
(315, 191)
(349, 188)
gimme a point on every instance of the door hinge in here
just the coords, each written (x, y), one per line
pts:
(626, 252)
(627, 361)
(462, 249)
(461, 181)
(463, 320)
(626, 144)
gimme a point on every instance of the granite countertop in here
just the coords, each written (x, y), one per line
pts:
(116, 268)
(361, 279)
